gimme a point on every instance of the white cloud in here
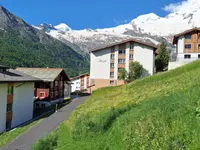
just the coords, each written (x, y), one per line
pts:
(183, 6)
(172, 7)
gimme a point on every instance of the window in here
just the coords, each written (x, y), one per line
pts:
(187, 56)
(56, 83)
(131, 46)
(61, 84)
(187, 46)
(112, 82)
(8, 125)
(9, 107)
(122, 52)
(10, 89)
(112, 49)
(37, 105)
(51, 85)
(51, 95)
(121, 61)
(112, 65)
(41, 94)
(112, 56)
(131, 56)
(198, 46)
(199, 56)
(188, 37)
(56, 93)
(43, 105)
(112, 74)
(199, 36)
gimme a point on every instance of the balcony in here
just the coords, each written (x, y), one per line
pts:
(9, 99)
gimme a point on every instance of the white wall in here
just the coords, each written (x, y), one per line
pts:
(100, 64)
(145, 56)
(76, 84)
(176, 64)
(3, 105)
(181, 44)
(194, 56)
(116, 62)
(22, 103)
(85, 82)
(127, 56)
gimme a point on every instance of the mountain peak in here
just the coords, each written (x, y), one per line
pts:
(147, 17)
(63, 27)
(2, 8)
(45, 27)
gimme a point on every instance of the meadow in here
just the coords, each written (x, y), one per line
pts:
(157, 112)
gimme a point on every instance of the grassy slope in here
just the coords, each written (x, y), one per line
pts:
(158, 112)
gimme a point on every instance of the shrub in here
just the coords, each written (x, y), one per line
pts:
(123, 74)
(48, 143)
(135, 72)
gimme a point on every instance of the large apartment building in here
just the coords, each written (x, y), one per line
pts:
(187, 47)
(106, 62)
(16, 98)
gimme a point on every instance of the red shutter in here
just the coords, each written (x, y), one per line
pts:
(45, 94)
(38, 94)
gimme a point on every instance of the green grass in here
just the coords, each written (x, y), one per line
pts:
(11, 135)
(67, 99)
(158, 112)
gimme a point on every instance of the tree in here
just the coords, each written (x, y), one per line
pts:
(135, 72)
(162, 58)
(123, 74)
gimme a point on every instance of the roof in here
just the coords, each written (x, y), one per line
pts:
(125, 41)
(11, 75)
(45, 74)
(175, 40)
(3, 67)
(85, 74)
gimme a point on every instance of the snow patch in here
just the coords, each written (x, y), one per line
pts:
(63, 27)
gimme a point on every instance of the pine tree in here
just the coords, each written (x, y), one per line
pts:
(162, 58)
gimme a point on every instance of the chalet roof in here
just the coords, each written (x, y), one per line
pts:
(11, 75)
(45, 74)
(85, 74)
(125, 41)
(3, 67)
(175, 40)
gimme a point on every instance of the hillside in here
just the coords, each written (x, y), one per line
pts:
(24, 46)
(158, 112)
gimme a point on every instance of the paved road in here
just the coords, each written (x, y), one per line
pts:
(27, 139)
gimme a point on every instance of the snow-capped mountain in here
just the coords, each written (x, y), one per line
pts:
(63, 27)
(148, 27)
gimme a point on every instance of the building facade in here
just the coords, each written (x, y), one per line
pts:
(54, 84)
(187, 47)
(17, 98)
(81, 83)
(106, 62)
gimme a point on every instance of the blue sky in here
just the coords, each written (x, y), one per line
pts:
(81, 14)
